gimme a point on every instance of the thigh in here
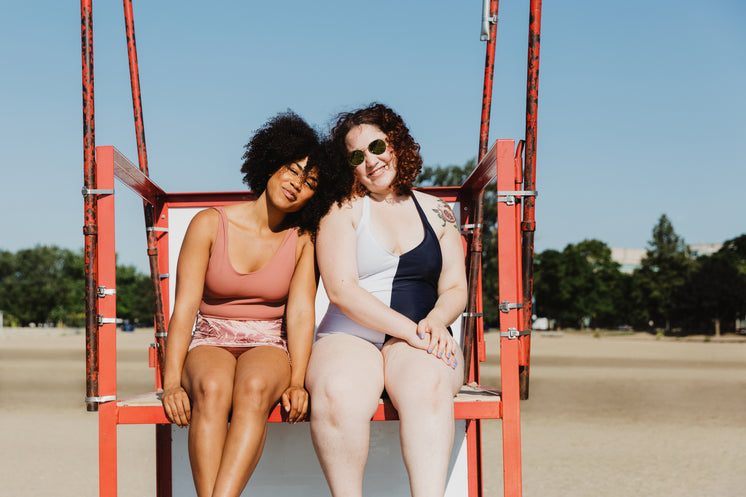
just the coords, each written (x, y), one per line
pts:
(410, 372)
(265, 369)
(208, 369)
(345, 368)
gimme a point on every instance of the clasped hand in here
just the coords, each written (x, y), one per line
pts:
(177, 406)
(434, 337)
(295, 402)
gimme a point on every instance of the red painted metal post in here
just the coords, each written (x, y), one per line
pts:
(107, 450)
(107, 415)
(90, 226)
(471, 350)
(489, 71)
(529, 183)
(149, 210)
(509, 271)
(107, 349)
(474, 322)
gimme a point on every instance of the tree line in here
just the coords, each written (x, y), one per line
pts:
(45, 285)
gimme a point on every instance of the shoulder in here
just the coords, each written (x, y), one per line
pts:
(348, 211)
(201, 234)
(205, 221)
(438, 212)
(426, 200)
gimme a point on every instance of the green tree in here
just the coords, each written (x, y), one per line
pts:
(663, 271)
(734, 252)
(549, 292)
(452, 175)
(43, 284)
(714, 294)
(579, 285)
(134, 296)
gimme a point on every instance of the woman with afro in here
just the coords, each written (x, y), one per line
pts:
(246, 274)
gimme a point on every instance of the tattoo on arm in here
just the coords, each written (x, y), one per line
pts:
(445, 214)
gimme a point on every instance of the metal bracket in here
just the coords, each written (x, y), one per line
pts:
(509, 197)
(513, 333)
(92, 191)
(161, 334)
(98, 400)
(163, 276)
(103, 291)
(156, 228)
(469, 228)
(507, 306)
(487, 19)
(102, 320)
(472, 314)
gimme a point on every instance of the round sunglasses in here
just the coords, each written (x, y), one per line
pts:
(376, 147)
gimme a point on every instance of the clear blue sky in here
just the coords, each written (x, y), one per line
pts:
(641, 104)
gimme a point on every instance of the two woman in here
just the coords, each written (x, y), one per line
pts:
(392, 264)
(246, 273)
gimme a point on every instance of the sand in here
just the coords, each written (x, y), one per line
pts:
(607, 416)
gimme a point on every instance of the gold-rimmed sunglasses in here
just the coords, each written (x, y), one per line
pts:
(376, 147)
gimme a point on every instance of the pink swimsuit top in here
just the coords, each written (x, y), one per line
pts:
(260, 295)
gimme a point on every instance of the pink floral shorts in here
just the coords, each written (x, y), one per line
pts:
(228, 333)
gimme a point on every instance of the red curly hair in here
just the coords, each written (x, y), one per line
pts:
(407, 151)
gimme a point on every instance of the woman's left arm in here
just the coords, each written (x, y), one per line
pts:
(300, 321)
(452, 286)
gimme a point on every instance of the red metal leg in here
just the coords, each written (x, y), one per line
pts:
(107, 450)
(474, 456)
(509, 273)
(163, 460)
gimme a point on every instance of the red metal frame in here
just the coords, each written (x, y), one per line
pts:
(515, 245)
(528, 226)
(90, 206)
(146, 408)
(149, 209)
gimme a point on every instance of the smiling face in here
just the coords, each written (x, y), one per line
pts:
(377, 171)
(291, 186)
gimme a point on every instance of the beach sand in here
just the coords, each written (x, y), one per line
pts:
(607, 416)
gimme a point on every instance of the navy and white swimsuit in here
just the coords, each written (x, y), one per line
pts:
(408, 283)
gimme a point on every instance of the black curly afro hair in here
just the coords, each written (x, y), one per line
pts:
(334, 185)
(407, 150)
(287, 138)
(284, 139)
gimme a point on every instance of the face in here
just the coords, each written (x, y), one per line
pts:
(377, 171)
(291, 186)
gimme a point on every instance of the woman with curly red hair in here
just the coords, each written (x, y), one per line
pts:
(392, 264)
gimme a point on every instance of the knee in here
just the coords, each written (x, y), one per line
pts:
(429, 394)
(338, 398)
(255, 394)
(213, 393)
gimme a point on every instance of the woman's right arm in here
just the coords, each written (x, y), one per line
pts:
(336, 252)
(190, 280)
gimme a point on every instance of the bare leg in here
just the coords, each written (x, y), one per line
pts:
(208, 379)
(262, 374)
(345, 380)
(421, 388)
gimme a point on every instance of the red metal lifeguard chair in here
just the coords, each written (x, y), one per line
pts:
(166, 215)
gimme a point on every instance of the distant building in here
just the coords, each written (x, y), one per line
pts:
(700, 249)
(629, 258)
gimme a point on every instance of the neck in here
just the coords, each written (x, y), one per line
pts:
(267, 214)
(389, 197)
